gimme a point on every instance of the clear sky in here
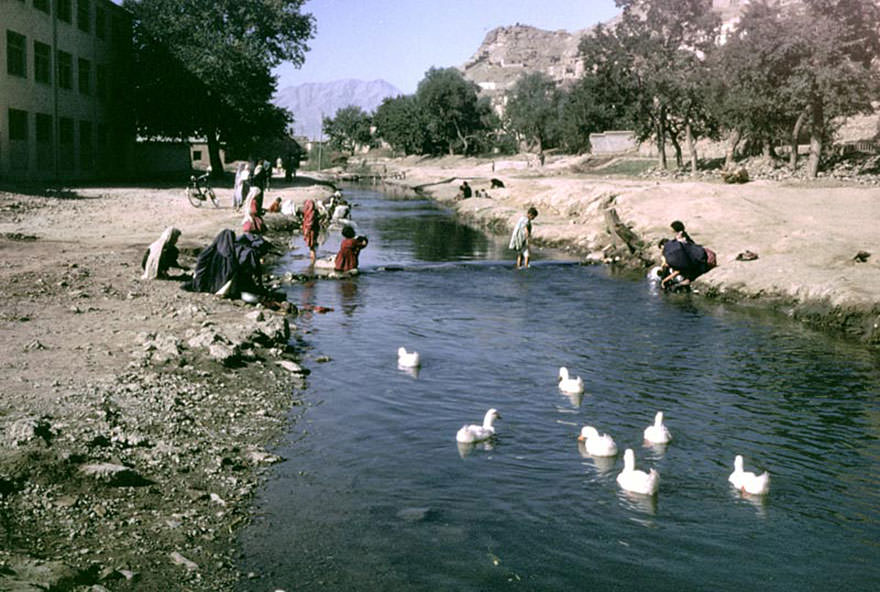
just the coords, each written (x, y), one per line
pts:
(399, 40)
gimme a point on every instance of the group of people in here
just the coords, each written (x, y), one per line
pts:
(682, 260)
(347, 257)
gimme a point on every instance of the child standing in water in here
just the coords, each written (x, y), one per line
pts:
(522, 234)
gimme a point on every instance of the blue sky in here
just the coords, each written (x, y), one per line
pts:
(398, 40)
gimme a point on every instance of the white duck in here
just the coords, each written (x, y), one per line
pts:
(468, 434)
(569, 385)
(636, 481)
(657, 433)
(596, 444)
(407, 359)
(748, 482)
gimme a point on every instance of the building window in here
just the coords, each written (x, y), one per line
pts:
(18, 125)
(197, 155)
(101, 81)
(100, 22)
(65, 69)
(42, 5)
(42, 62)
(63, 10)
(85, 76)
(84, 15)
(65, 131)
(65, 144)
(45, 154)
(86, 146)
(44, 128)
(16, 54)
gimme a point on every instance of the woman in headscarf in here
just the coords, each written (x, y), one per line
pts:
(310, 227)
(253, 215)
(347, 257)
(241, 186)
(162, 255)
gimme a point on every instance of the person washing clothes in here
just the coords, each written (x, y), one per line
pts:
(347, 257)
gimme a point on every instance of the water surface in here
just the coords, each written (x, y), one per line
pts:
(376, 495)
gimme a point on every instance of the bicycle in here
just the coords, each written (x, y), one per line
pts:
(199, 190)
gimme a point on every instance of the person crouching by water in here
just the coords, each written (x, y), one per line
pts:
(347, 257)
(683, 262)
(521, 237)
(161, 255)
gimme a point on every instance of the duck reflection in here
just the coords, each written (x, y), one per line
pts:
(411, 370)
(466, 448)
(575, 398)
(638, 502)
(603, 464)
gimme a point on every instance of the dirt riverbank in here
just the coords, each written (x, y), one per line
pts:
(135, 418)
(811, 238)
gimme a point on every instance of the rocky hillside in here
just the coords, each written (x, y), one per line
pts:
(311, 101)
(509, 52)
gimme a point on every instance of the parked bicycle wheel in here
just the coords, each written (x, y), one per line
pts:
(192, 194)
(213, 197)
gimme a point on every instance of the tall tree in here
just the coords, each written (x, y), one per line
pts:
(454, 115)
(653, 52)
(223, 51)
(532, 110)
(401, 123)
(348, 128)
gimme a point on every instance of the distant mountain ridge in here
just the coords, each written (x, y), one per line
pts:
(311, 101)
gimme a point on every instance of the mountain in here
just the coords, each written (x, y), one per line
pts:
(311, 101)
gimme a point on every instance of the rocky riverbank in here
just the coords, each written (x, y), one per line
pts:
(818, 243)
(135, 417)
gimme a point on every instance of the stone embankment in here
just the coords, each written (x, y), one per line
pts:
(818, 243)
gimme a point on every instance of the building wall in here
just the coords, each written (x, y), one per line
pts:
(63, 115)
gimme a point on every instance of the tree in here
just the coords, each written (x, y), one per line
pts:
(532, 109)
(221, 52)
(653, 53)
(783, 69)
(400, 122)
(839, 40)
(348, 129)
(453, 114)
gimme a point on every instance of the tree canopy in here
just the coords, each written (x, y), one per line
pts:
(348, 128)
(204, 67)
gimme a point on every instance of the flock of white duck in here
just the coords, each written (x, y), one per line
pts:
(603, 445)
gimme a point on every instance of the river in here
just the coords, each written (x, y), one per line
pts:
(375, 494)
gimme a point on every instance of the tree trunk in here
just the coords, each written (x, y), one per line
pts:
(767, 151)
(214, 155)
(817, 123)
(661, 138)
(793, 157)
(677, 147)
(692, 147)
(732, 143)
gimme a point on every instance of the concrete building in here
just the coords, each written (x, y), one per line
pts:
(64, 112)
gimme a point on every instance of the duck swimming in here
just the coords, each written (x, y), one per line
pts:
(657, 433)
(569, 385)
(596, 444)
(637, 481)
(407, 359)
(469, 434)
(748, 482)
